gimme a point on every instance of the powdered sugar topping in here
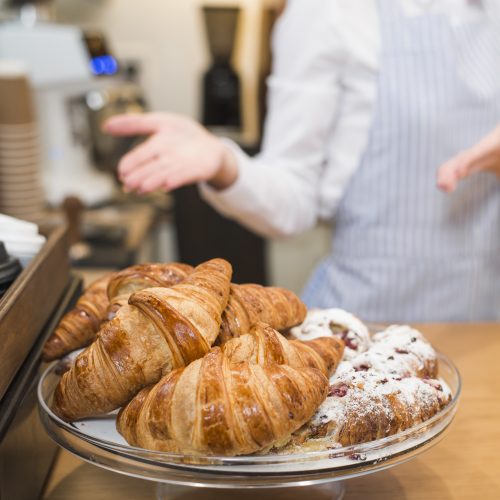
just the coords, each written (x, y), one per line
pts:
(327, 322)
(399, 351)
(398, 365)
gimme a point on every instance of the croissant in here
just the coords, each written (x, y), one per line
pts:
(135, 278)
(79, 326)
(106, 296)
(364, 406)
(265, 346)
(248, 304)
(217, 407)
(161, 329)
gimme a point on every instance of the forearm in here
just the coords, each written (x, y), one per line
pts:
(277, 193)
(271, 200)
(227, 174)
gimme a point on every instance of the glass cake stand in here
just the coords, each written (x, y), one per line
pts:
(283, 476)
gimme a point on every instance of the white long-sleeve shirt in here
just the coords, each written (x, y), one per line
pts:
(322, 95)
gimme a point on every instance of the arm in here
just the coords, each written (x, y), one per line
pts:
(277, 193)
(482, 157)
(179, 151)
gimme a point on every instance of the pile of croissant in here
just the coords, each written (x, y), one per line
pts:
(195, 363)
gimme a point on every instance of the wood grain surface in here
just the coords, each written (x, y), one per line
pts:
(30, 302)
(464, 465)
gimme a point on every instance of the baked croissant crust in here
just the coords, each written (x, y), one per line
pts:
(79, 326)
(141, 276)
(216, 407)
(161, 329)
(277, 307)
(265, 346)
(101, 301)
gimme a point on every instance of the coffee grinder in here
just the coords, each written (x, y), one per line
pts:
(221, 83)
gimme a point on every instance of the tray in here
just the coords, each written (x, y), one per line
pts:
(97, 441)
(29, 303)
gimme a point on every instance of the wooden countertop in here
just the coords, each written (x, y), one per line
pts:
(465, 465)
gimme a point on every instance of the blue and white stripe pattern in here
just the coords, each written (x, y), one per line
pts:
(402, 250)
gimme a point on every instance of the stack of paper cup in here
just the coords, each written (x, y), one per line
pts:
(21, 193)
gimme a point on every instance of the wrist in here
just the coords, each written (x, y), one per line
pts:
(227, 173)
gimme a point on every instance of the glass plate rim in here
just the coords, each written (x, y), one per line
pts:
(268, 459)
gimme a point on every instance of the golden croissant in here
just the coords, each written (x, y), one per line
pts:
(161, 329)
(265, 346)
(79, 326)
(248, 304)
(136, 278)
(101, 301)
(217, 407)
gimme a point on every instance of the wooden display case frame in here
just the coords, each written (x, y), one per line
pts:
(30, 301)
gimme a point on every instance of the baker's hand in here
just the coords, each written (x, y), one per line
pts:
(483, 156)
(179, 151)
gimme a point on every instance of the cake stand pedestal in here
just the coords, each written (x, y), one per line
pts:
(327, 491)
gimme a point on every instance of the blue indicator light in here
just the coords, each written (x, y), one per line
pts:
(104, 65)
(96, 66)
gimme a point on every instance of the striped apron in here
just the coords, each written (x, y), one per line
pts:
(403, 251)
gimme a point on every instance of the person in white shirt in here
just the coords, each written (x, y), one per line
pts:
(366, 99)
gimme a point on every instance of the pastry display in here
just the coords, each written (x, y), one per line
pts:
(216, 407)
(337, 322)
(161, 329)
(247, 304)
(198, 366)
